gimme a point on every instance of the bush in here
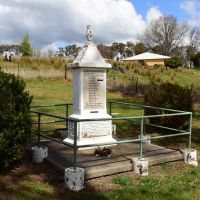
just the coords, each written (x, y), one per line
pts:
(173, 62)
(195, 58)
(158, 66)
(15, 120)
(170, 96)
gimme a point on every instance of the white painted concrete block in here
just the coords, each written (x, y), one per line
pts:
(74, 179)
(38, 154)
(140, 166)
(147, 139)
(190, 156)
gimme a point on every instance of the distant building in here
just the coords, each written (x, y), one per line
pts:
(7, 56)
(118, 57)
(147, 58)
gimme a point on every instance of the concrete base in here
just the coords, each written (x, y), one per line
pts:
(39, 153)
(92, 141)
(61, 157)
(190, 156)
(74, 179)
(140, 166)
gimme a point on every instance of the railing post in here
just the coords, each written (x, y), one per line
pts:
(190, 130)
(39, 127)
(110, 107)
(67, 114)
(136, 86)
(75, 143)
(144, 125)
(141, 136)
(65, 72)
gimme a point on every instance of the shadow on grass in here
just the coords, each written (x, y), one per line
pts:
(27, 181)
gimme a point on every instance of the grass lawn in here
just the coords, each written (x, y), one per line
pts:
(173, 181)
(169, 181)
(145, 75)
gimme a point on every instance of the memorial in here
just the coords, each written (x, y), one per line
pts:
(89, 96)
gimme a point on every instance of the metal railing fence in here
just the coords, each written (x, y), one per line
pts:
(143, 121)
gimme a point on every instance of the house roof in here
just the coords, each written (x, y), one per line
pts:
(147, 56)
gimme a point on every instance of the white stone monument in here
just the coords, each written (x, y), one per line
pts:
(89, 96)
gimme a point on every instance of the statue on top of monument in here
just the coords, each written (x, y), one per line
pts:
(89, 33)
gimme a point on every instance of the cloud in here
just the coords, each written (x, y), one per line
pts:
(153, 13)
(48, 21)
(192, 7)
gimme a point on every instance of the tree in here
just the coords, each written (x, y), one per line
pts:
(140, 48)
(50, 52)
(165, 32)
(194, 42)
(173, 62)
(118, 47)
(26, 47)
(157, 49)
(105, 51)
(195, 58)
(72, 50)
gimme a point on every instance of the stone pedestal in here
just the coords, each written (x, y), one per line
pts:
(89, 98)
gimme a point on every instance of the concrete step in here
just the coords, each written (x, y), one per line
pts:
(61, 157)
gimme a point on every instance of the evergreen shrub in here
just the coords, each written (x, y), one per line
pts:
(172, 96)
(15, 119)
(173, 62)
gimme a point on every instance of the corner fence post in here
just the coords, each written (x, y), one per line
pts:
(141, 136)
(75, 143)
(39, 127)
(190, 130)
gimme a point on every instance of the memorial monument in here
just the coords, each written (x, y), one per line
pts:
(89, 96)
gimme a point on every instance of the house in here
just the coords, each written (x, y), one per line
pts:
(147, 58)
(118, 57)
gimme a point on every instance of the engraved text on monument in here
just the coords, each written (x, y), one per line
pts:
(94, 93)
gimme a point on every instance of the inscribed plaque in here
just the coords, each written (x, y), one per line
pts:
(93, 89)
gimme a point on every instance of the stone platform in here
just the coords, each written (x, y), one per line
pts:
(61, 157)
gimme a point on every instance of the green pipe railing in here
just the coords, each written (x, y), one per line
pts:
(144, 106)
(138, 119)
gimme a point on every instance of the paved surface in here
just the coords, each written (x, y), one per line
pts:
(61, 157)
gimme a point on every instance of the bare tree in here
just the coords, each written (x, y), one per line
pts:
(194, 41)
(165, 32)
(50, 52)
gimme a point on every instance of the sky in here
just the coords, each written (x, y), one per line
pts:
(51, 23)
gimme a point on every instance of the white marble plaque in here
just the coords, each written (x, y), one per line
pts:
(94, 90)
(95, 128)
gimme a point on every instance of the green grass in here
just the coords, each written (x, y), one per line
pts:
(169, 181)
(122, 180)
(145, 75)
(180, 186)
